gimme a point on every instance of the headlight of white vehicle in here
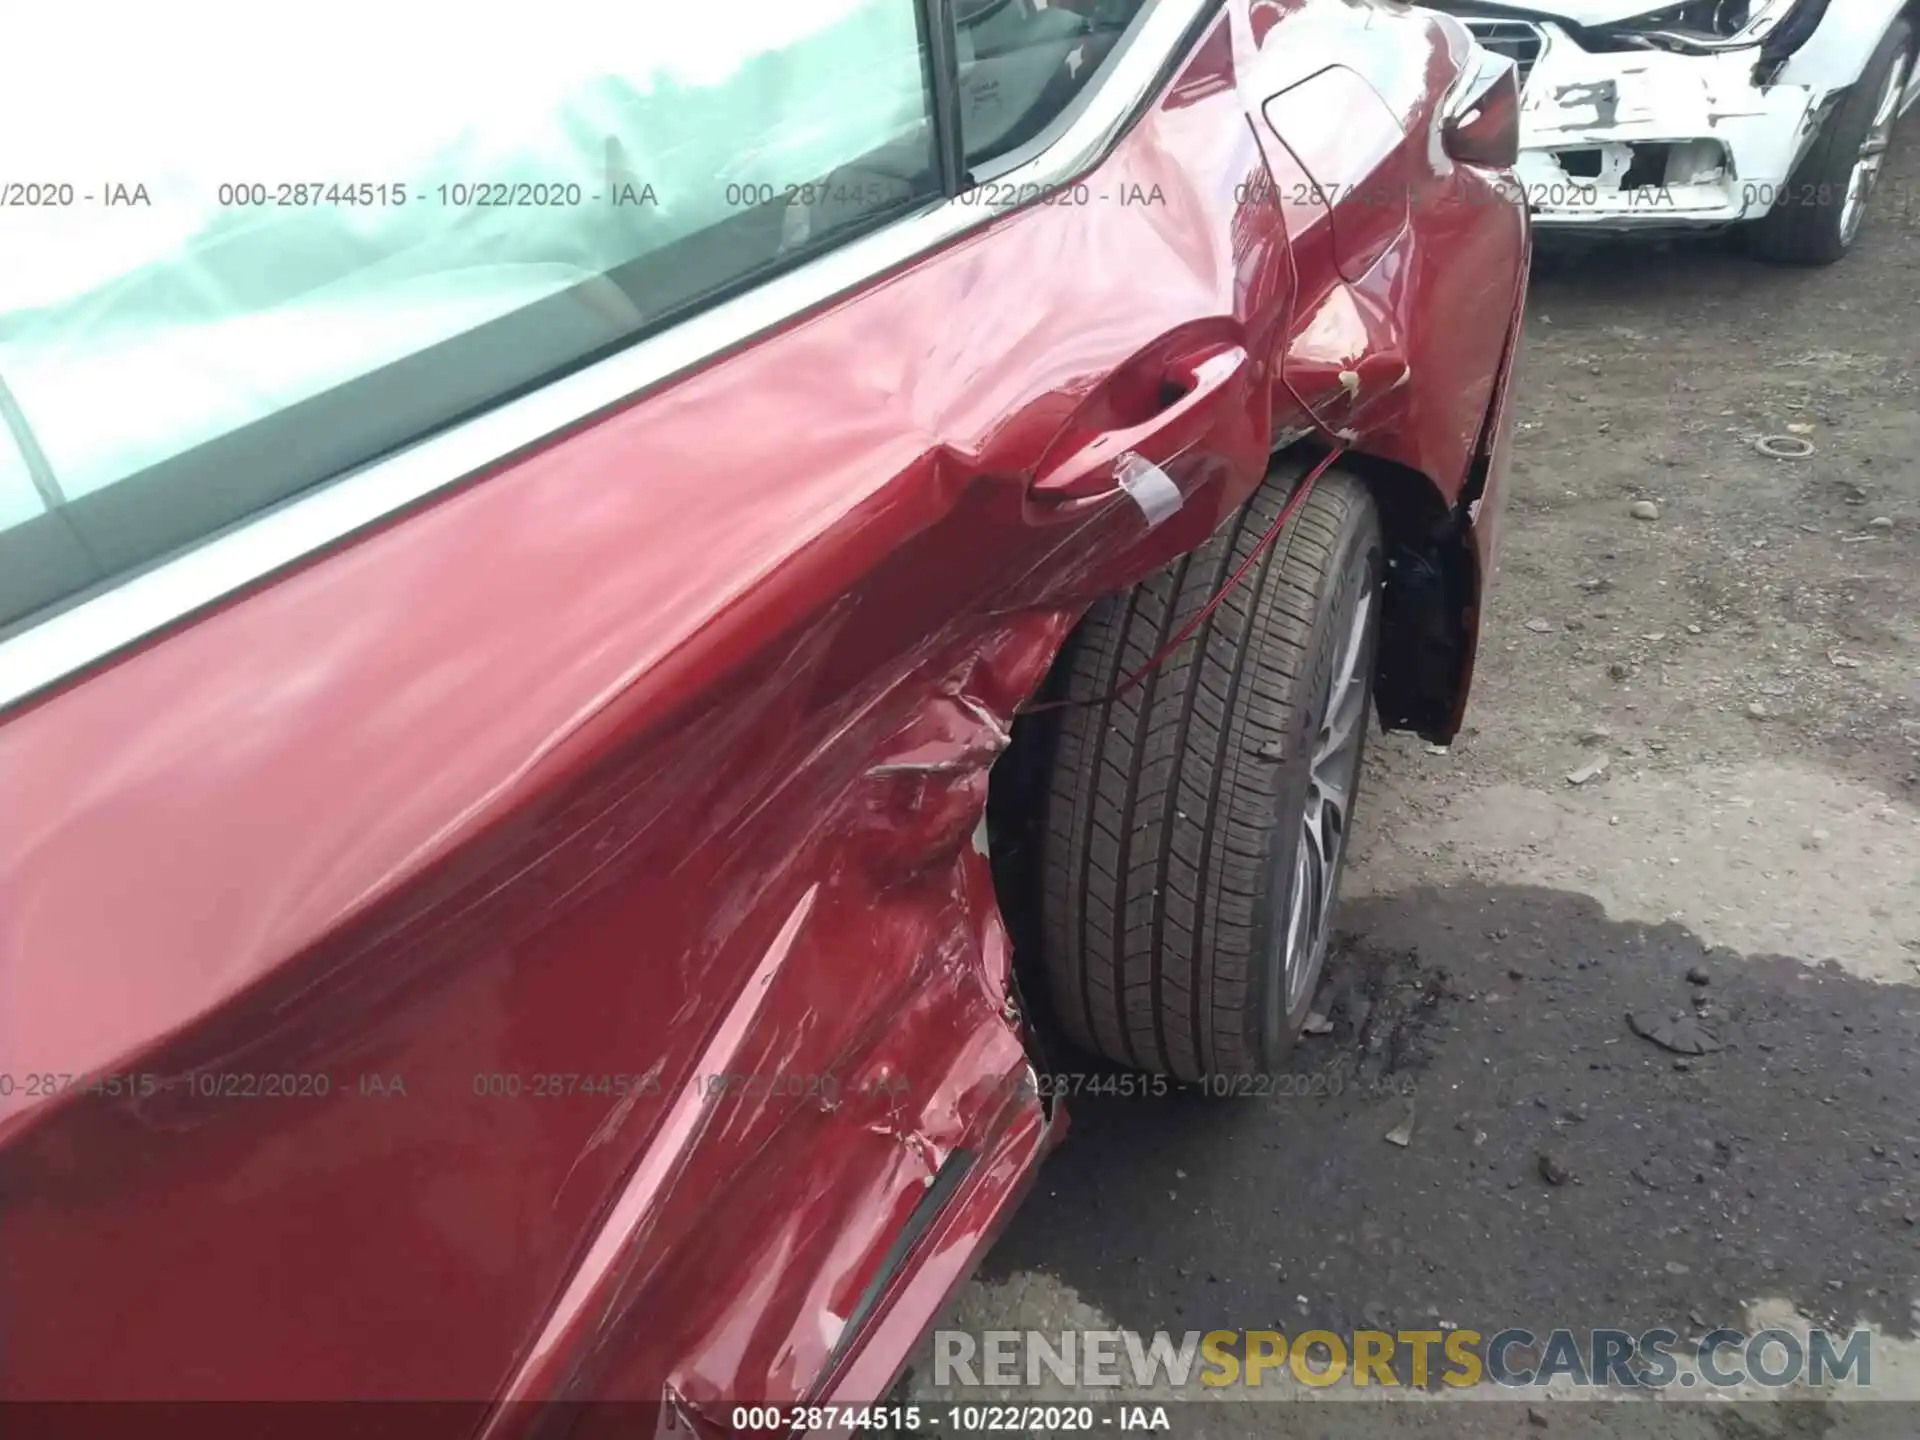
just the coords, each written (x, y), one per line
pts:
(1706, 24)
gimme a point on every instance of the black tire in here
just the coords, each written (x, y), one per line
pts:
(1805, 226)
(1173, 811)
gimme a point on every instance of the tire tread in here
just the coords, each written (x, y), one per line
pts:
(1152, 957)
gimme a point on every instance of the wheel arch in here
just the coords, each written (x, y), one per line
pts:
(1430, 614)
(1423, 667)
(1429, 617)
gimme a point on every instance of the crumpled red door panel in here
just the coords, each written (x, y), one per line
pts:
(594, 856)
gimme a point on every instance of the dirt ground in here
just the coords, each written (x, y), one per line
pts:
(1747, 665)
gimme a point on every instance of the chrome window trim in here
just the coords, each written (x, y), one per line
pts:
(70, 640)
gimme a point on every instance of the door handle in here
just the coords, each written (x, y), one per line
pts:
(1090, 471)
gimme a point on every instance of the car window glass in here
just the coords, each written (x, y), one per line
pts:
(20, 498)
(252, 259)
(1023, 63)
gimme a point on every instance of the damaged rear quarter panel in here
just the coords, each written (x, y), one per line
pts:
(1395, 346)
(614, 816)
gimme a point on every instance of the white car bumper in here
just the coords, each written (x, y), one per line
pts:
(1647, 139)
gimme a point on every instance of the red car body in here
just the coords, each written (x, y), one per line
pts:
(543, 946)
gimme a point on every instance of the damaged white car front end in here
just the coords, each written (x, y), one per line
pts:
(1637, 116)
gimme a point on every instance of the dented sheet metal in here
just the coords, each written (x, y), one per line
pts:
(546, 948)
(1631, 138)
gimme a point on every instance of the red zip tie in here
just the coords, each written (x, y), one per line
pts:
(1294, 502)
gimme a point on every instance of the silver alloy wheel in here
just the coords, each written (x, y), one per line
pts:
(1873, 154)
(1331, 773)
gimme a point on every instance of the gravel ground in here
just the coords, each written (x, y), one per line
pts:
(1747, 665)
